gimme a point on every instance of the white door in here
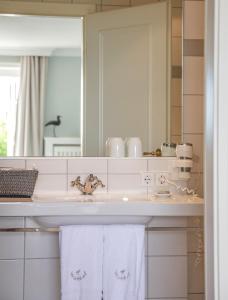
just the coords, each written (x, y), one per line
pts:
(126, 77)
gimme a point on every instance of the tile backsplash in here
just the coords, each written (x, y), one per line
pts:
(118, 175)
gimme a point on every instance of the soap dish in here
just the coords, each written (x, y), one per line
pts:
(163, 194)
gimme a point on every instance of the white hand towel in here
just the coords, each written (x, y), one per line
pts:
(81, 250)
(124, 262)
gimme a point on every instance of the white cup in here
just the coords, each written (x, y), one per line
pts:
(115, 147)
(134, 147)
(107, 147)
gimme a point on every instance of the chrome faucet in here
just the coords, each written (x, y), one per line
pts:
(90, 185)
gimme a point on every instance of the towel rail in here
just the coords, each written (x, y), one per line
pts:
(56, 229)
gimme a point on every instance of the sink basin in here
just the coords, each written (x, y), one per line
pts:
(56, 221)
(98, 197)
(100, 208)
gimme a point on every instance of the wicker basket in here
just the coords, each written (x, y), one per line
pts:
(18, 183)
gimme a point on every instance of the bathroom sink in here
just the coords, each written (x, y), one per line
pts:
(56, 221)
(53, 210)
(92, 209)
(97, 197)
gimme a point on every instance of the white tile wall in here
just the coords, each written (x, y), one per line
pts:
(176, 92)
(176, 51)
(193, 75)
(196, 297)
(48, 166)
(8, 241)
(193, 114)
(51, 183)
(131, 182)
(161, 280)
(42, 279)
(11, 279)
(166, 251)
(15, 163)
(167, 243)
(177, 22)
(40, 244)
(126, 166)
(194, 10)
(87, 166)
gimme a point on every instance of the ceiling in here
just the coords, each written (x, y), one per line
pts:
(20, 34)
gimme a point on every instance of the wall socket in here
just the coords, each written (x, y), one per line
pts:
(154, 179)
(147, 178)
(160, 179)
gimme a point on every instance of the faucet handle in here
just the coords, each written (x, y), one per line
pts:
(76, 181)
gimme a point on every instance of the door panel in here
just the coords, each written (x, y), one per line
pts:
(126, 77)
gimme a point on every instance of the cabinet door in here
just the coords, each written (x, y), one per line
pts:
(126, 77)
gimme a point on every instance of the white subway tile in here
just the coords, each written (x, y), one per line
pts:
(194, 19)
(9, 240)
(48, 166)
(115, 2)
(193, 114)
(160, 164)
(51, 183)
(161, 280)
(196, 297)
(176, 92)
(125, 183)
(42, 279)
(126, 166)
(167, 243)
(176, 113)
(176, 51)
(102, 177)
(12, 163)
(168, 222)
(11, 283)
(177, 22)
(40, 244)
(193, 75)
(87, 166)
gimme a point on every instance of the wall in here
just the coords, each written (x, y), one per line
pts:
(193, 85)
(63, 95)
(32, 268)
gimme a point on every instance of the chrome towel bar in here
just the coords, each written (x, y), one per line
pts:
(56, 229)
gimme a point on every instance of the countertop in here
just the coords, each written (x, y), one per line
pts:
(105, 204)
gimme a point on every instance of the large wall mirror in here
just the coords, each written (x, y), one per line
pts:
(61, 95)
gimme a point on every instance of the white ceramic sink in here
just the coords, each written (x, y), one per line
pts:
(53, 210)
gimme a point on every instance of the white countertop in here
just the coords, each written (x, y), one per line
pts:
(105, 204)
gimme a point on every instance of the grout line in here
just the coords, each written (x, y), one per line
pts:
(24, 260)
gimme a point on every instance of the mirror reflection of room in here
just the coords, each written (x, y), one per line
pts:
(40, 86)
(43, 112)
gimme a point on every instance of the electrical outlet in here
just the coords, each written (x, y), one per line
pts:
(161, 179)
(147, 178)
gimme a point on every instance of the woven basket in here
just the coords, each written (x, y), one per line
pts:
(18, 183)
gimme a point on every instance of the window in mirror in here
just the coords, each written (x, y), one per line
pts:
(9, 87)
(40, 85)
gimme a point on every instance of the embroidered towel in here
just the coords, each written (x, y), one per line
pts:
(124, 274)
(81, 250)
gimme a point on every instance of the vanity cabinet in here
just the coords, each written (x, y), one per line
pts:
(30, 265)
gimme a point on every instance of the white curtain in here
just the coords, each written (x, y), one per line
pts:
(30, 107)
